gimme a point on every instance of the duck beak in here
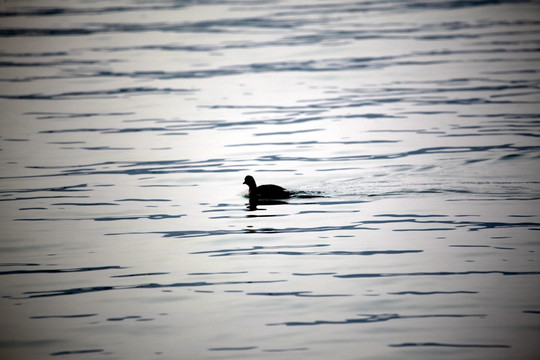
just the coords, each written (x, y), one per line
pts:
(244, 182)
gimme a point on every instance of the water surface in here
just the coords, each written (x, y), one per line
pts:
(410, 128)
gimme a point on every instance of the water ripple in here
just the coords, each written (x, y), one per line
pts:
(278, 250)
(76, 316)
(436, 274)
(58, 271)
(432, 292)
(218, 165)
(436, 344)
(297, 294)
(372, 318)
(77, 352)
(95, 289)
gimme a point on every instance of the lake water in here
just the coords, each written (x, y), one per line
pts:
(409, 131)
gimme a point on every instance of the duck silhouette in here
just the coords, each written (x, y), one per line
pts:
(265, 192)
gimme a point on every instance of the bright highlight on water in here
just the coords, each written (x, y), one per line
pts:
(390, 152)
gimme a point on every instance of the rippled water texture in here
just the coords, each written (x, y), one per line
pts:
(407, 132)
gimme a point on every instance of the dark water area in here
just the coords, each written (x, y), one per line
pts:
(407, 133)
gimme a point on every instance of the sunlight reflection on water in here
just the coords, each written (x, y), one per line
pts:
(407, 133)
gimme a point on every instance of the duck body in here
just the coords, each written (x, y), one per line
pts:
(268, 191)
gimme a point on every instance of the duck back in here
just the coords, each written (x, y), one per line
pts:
(272, 192)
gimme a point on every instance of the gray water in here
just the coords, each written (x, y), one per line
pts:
(410, 128)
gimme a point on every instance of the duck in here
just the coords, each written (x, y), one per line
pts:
(268, 191)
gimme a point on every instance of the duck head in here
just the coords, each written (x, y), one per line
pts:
(250, 181)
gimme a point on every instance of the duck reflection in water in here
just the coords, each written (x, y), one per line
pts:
(268, 194)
